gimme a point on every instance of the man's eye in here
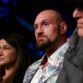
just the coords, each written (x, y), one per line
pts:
(35, 27)
(46, 23)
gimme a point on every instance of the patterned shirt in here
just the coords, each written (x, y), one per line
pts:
(50, 73)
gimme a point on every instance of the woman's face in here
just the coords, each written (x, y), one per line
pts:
(8, 53)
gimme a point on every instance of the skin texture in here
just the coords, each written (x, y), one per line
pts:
(50, 29)
(7, 53)
(78, 15)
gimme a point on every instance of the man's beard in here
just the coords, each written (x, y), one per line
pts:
(44, 45)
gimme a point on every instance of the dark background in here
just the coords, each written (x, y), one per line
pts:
(18, 16)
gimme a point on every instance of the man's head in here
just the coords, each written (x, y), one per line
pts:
(78, 15)
(49, 27)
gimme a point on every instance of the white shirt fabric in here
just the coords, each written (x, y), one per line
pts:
(55, 64)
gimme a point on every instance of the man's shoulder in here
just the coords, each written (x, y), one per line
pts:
(34, 65)
(30, 71)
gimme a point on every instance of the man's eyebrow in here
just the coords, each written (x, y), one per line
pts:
(46, 19)
(35, 24)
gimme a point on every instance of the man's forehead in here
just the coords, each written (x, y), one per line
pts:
(47, 14)
(42, 20)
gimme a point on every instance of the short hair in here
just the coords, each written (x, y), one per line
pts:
(76, 3)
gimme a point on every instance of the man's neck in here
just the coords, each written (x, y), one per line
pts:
(49, 51)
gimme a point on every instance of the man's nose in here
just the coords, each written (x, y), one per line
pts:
(76, 13)
(40, 29)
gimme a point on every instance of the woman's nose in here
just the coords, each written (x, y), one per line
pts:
(1, 51)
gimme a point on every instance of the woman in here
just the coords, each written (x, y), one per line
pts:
(13, 59)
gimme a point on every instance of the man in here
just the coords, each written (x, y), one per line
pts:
(50, 32)
(72, 71)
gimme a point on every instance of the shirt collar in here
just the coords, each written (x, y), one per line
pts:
(58, 55)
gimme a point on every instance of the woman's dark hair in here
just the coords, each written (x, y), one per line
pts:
(18, 42)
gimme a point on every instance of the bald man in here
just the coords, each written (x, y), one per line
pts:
(50, 33)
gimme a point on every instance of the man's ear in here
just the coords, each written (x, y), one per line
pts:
(63, 27)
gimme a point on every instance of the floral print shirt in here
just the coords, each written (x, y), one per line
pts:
(51, 71)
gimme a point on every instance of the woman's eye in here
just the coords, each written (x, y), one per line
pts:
(7, 47)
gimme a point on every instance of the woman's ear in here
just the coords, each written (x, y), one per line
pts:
(63, 27)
